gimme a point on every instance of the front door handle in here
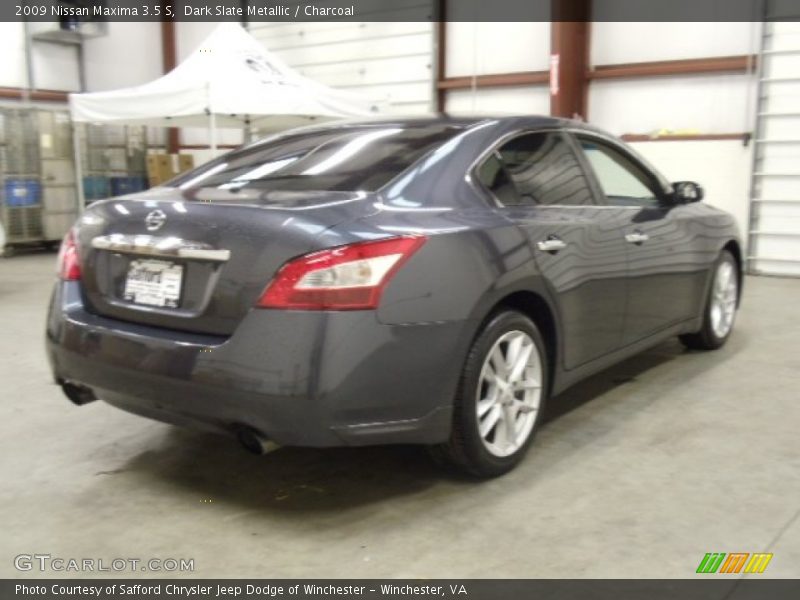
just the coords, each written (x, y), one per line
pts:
(552, 244)
(637, 237)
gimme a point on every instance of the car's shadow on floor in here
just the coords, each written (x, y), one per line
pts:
(611, 378)
(301, 480)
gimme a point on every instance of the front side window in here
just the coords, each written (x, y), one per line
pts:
(542, 169)
(622, 182)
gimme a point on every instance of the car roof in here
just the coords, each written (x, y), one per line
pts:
(460, 122)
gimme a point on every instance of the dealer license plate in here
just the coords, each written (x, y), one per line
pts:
(154, 283)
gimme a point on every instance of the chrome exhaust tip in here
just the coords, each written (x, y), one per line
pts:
(255, 443)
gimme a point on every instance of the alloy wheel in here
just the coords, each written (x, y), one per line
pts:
(509, 393)
(723, 299)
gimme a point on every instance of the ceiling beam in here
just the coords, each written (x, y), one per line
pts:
(13, 93)
(665, 68)
(695, 137)
(494, 80)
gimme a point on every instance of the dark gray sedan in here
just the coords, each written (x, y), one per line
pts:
(426, 281)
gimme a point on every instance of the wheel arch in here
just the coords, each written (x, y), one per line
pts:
(540, 312)
(735, 249)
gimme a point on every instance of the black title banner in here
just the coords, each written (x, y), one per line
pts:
(715, 588)
(72, 12)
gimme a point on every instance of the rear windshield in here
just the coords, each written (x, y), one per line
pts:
(338, 159)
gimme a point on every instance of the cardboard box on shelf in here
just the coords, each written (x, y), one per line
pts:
(163, 167)
(159, 168)
(185, 162)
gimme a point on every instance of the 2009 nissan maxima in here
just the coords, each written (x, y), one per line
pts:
(429, 281)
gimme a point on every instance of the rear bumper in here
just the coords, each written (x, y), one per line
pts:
(298, 377)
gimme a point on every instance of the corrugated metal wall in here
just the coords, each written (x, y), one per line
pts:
(775, 215)
(383, 60)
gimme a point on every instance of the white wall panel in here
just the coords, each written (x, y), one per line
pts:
(615, 43)
(12, 49)
(780, 188)
(508, 101)
(783, 127)
(108, 60)
(110, 63)
(705, 104)
(721, 167)
(280, 36)
(487, 48)
(369, 72)
(360, 51)
(389, 60)
(55, 67)
(783, 96)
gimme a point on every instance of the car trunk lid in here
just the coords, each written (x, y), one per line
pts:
(199, 262)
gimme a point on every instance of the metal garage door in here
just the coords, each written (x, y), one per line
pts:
(392, 60)
(774, 240)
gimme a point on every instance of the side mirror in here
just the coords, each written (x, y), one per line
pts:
(684, 192)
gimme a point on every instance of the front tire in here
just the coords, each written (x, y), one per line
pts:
(719, 312)
(500, 398)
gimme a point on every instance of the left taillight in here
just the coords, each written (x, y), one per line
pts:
(69, 267)
(350, 277)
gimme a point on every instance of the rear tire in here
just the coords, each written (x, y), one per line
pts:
(719, 313)
(500, 398)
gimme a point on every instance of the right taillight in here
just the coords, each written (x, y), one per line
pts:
(348, 277)
(69, 267)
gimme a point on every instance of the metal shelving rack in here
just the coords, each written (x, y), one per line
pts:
(19, 161)
(36, 159)
(57, 167)
(112, 154)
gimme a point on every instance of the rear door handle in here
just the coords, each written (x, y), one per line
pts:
(552, 244)
(637, 237)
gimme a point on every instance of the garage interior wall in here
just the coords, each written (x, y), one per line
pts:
(711, 111)
(390, 61)
(687, 104)
(775, 210)
(55, 66)
(690, 104)
(488, 68)
(471, 52)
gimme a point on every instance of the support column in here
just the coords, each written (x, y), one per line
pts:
(169, 60)
(441, 55)
(569, 58)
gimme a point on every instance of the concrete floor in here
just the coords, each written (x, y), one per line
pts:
(639, 472)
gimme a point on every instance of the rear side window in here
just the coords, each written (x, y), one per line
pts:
(494, 176)
(542, 169)
(338, 159)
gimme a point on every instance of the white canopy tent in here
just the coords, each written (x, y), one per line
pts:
(231, 80)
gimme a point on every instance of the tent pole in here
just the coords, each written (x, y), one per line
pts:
(76, 149)
(212, 132)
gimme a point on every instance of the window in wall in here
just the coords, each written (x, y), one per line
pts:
(622, 182)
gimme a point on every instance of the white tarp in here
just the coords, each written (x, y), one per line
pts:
(230, 80)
